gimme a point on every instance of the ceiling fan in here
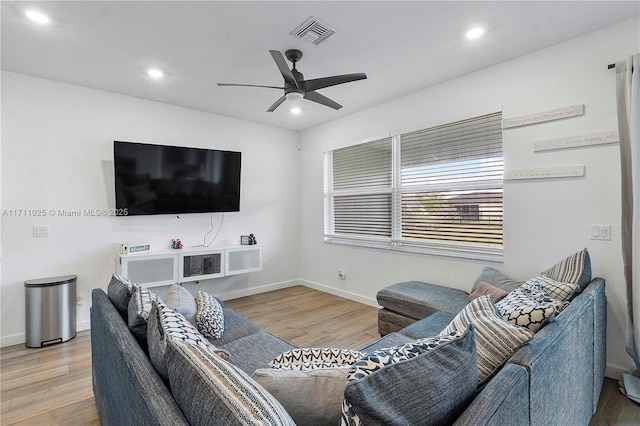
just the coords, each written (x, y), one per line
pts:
(296, 87)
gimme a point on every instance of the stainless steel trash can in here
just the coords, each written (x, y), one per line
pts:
(50, 310)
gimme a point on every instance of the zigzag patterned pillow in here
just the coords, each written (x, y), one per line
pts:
(496, 339)
(529, 306)
(209, 316)
(307, 359)
(558, 290)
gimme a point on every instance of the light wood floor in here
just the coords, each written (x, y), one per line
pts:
(52, 386)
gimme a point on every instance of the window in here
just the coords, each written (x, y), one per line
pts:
(437, 190)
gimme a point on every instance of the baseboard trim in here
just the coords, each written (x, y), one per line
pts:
(21, 338)
(342, 293)
(616, 371)
(257, 290)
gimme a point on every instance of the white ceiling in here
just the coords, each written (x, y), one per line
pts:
(402, 46)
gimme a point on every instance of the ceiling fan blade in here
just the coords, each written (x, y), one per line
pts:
(283, 67)
(317, 97)
(320, 83)
(250, 85)
(277, 104)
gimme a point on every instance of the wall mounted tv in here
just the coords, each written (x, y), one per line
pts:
(158, 179)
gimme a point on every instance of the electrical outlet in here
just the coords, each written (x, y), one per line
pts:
(80, 298)
(341, 274)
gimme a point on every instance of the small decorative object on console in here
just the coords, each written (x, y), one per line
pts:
(244, 240)
(176, 244)
(252, 240)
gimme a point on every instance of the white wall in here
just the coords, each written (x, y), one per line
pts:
(57, 153)
(545, 220)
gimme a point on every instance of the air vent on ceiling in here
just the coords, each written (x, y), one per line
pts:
(313, 31)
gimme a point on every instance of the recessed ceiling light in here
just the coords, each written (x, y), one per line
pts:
(474, 33)
(296, 110)
(38, 17)
(155, 73)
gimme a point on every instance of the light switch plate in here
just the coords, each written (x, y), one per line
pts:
(40, 231)
(601, 232)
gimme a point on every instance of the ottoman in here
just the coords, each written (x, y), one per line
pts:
(407, 302)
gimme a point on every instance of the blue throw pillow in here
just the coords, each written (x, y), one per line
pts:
(428, 382)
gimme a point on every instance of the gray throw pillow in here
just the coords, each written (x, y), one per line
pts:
(312, 398)
(181, 300)
(428, 382)
(497, 279)
(119, 292)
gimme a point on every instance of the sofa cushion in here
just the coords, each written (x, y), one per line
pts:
(119, 291)
(496, 339)
(430, 381)
(486, 289)
(181, 300)
(497, 279)
(235, 327)
(418, 300)
(575, 269)
(529, 306)
(210, 316)
(138, 313)
(211, 391)
(256, 350)
(164, 324)
(306, 359)
(312, 398)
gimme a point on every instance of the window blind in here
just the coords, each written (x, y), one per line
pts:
(361, 190)
(436, 190)
(451, 182)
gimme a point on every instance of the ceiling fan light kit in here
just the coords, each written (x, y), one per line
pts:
(296, 87)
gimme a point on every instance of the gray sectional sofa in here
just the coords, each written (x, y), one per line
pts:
(555, 379)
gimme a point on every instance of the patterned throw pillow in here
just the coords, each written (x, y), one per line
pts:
(119, 292)
(440, 372)
(529, 306)
(307, 359)
(209, 390)
(575, 269)
(558, 290)
(209, 316)
(138, 312)
(496, 339)
(165, 324)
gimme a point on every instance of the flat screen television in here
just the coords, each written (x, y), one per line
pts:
(159, 179)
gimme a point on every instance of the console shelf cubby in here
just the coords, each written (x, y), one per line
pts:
(166, 267)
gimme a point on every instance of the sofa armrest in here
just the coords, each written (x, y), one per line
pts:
(126, 387)
(503, 401)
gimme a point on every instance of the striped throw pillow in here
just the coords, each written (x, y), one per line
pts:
(575, 269)
(211, 391)
(496, 339)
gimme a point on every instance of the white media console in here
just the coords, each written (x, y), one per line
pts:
(166, 267)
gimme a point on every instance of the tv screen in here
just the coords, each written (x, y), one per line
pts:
(158, 179)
